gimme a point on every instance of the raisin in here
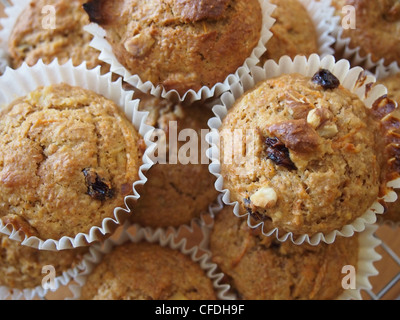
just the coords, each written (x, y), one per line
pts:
(279, 154)
(97, 187)
(326, 79)
(94, 10)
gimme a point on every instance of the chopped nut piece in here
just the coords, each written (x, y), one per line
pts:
(329, 130)
(140, 44)
(178, 296)
(264, 198)
(313, 119)
(297, 135)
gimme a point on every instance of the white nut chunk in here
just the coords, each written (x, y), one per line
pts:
(264, 198)
(329, 130)
(314, 119)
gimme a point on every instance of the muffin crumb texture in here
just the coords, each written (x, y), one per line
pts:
(262, 268)
(147, 271)
(54, 183)
(313, 143)
(180, 45)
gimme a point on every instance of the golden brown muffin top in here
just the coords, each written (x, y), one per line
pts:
(184, 44)
(68, 157)
(30, 41)
(315, 156)
(21, 267)
(147, 272)
(294, 32)
(262, 268)
(175, 193)
(377, 28)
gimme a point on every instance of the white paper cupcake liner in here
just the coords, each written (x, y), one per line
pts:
(136, 234)
(367, 257)
(322, 17)
(343, 47)
(19, 82)
(100, 43)
(66, 279)
(350, 79)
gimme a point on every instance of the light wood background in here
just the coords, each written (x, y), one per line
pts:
(387, 267)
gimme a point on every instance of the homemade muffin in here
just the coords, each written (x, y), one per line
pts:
(312, 158)
(147, 272)
(392, 83)
(262, 268)
(294, 32)
(377, 24)
(21, 266)
(175, 193)
(30, 41)
(181, 45)
(68, 158)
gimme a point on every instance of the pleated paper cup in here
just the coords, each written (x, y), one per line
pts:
(168, 239)
(345, 50)
(322, 17)
(66, 279)
(353, 79)
(20, 82)
(100, 43)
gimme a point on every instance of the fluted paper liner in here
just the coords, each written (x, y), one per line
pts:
(347, 51)
(351, 79)
(321, 15)
(136, 234)
(100, 43)
(65, 279)
(18, 83)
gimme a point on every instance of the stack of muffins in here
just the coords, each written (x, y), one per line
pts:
(78, 160)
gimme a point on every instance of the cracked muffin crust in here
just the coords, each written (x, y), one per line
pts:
(68, 157)
(315, 156)
(21, 266)
(175, 193)
(184, 44)
(30, 41)
(262, 268)
(147, 271)
(293, 34)
(377, 23)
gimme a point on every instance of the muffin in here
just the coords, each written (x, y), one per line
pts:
(21, 266)
(175, 193)
(69, 157)
(262, 268)
(146, 271)
(377, 23)
(293, 34)
(392, 83)
(30, 41)
(180, 45)
(312, 161)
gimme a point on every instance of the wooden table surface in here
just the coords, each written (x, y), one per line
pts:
(388, 268)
